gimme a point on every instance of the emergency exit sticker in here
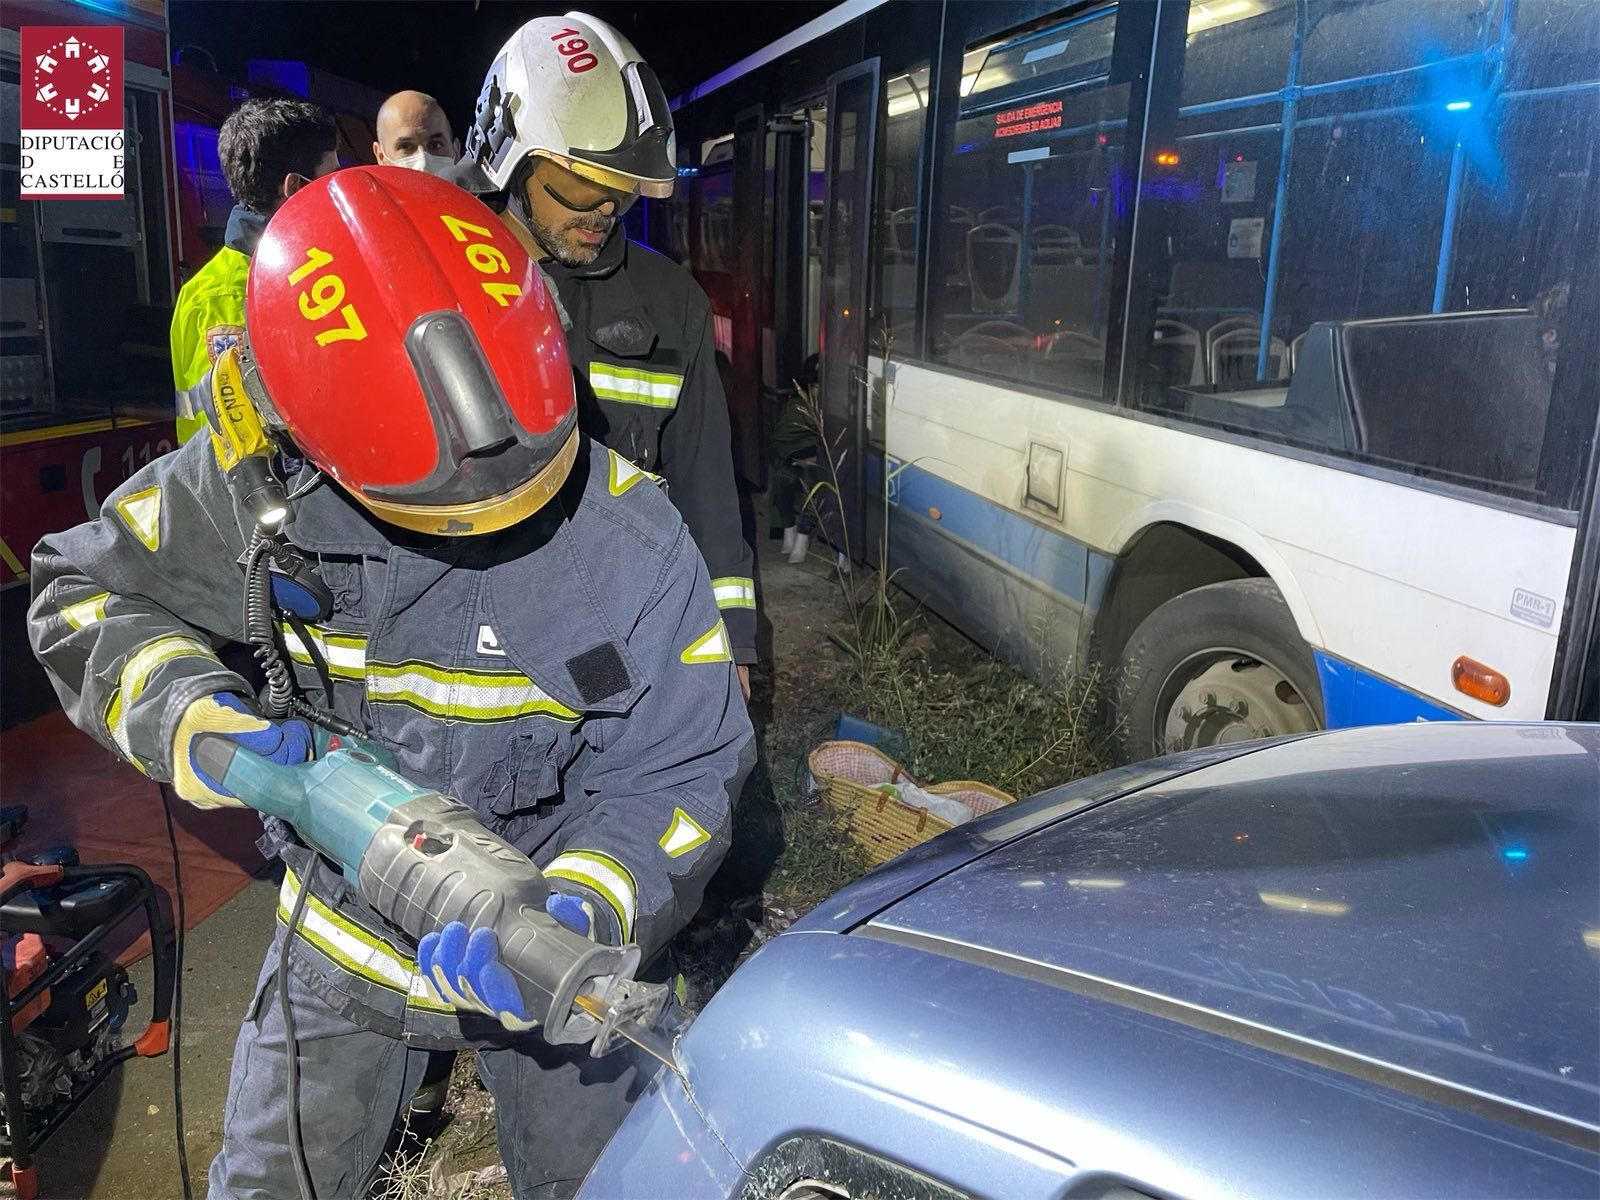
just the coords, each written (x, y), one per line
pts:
(71, 110)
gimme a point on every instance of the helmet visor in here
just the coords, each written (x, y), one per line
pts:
(645, 159)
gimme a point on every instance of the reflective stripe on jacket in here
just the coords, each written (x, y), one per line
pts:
(570, 679)
(648, 387)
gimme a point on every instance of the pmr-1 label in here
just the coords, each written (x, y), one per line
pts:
(1533, 608)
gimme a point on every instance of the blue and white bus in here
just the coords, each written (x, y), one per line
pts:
(1245, 347)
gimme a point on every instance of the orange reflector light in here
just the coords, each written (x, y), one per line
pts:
(1167, 158)
(1474, 679)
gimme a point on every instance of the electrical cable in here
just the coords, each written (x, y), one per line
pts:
(297, 1146)
(177, 998)
(282, 696)
(315, 478)
(279, 698)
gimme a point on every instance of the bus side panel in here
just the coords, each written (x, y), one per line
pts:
(1011, 583)
(1438, 577)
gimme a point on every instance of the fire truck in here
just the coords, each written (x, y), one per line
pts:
(87, 286)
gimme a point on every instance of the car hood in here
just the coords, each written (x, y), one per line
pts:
(1426, 897)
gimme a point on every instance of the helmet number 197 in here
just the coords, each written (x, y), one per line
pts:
(325, 294)
(575, 50)
(485, 258)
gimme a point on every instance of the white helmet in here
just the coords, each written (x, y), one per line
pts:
(573, 90)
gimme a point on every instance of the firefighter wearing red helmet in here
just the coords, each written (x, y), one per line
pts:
(571, 128)
(516, 611)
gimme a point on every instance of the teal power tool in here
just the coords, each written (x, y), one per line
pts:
(421, 860)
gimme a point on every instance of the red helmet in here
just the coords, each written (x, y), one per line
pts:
(401, 335)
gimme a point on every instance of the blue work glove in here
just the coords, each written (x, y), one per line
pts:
(286, 742)
(467, 970)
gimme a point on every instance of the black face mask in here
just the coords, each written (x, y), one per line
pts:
(622, 200)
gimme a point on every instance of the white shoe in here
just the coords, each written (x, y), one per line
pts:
(801, 547)
(788, 539)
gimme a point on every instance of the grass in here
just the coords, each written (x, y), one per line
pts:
(959, 713)
(982, 719)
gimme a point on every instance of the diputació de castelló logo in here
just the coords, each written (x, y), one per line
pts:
(71, 112)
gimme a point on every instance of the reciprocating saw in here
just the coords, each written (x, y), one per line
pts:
(422, 860)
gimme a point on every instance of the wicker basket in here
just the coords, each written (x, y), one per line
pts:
(849, 774)
(979, 797)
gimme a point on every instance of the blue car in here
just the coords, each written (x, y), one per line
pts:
(1360, 963)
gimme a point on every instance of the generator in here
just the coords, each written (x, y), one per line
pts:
(64, 1001)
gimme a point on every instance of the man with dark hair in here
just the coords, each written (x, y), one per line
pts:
(269, 150)
(565, 146)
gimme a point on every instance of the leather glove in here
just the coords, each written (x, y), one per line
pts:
(467, 970)
(286, 742)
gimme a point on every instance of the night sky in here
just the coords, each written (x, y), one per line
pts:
(443, 47)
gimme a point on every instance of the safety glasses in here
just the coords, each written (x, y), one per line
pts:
(573, 191)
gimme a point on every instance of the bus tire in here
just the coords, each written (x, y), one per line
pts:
(1221, 663)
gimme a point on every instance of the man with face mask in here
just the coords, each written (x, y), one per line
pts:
(269, 149)
(413, 132)
(570, 129)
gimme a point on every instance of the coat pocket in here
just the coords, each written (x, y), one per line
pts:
(530, 773)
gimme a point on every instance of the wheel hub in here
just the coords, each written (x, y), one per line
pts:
(1221, 697)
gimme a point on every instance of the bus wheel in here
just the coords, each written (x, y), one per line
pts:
(1222, 663)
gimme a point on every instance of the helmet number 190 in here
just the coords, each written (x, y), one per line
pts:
(325, 294)
(575, 50)
(486, 258)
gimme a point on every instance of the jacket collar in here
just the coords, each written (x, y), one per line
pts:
(328, 521)
(612, 258)
(244, 230)
(614, 317)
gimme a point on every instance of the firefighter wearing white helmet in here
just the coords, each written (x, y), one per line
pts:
(571, 128)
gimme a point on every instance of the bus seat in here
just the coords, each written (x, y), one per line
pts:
(1213, 286)
(1463, 394)
(1232, 355)
(1179, 346)
(1313, 410)
(994, 253)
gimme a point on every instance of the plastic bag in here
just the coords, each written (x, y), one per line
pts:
(946, 809)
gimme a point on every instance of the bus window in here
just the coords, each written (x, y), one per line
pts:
(1389, 209)
(1025, 245)
(892, 313)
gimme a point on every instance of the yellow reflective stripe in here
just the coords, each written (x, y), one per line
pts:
(462, 695)
(734, 591)
(142, 513)
(711, 647)
(630, 385)
(624, 474)
(86, 612)
(135, 677)
(353, 949)
(12, 561)
(605, 875)
(345, 653)
(683, 834)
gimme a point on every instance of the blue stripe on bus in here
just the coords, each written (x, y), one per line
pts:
(1354, 696)
(1053, 559)
(1351, 695)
